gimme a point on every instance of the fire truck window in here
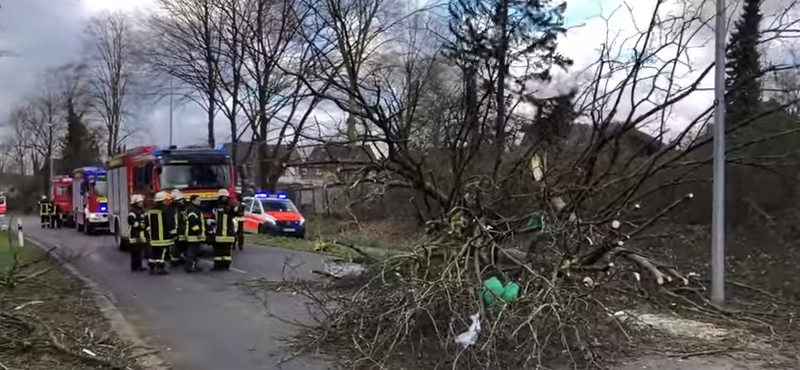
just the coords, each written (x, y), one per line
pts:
(63, 190)
(100, 188)
(143, 177)
(138, 177)
(195, 176)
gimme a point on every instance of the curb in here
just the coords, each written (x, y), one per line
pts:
(141, 352)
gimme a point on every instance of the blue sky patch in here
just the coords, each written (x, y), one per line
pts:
(582, 10)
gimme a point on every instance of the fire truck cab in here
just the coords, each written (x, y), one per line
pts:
(61, 194)
(89, 202)
(147, 170)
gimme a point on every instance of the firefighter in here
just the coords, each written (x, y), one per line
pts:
(161, 235)
(178, 207)
(137, 232)
(54, 216)
(194, 233)
(225, 217)
(44, 211)
(239, 219)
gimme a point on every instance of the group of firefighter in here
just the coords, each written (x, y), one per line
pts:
(49, 213)
(174, 233)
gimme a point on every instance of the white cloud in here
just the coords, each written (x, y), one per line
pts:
(616, 23)
(95, 6)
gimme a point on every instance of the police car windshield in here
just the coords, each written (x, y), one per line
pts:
(194, 176)
(278, 205)
(100, 188)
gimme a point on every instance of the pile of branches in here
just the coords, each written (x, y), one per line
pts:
(22, 331)
(575, 269)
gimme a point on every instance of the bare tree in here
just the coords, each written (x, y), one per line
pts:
(229, 68)
(184, 45)
(113, 65)
(560, 220)
(45, 122)
(20, 141)
(273, 31)
(354, 30)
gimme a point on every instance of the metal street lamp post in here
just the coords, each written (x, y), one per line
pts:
(718, 215)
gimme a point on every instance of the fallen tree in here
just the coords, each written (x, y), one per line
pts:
(541, 225)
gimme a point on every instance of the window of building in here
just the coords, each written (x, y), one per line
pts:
(319, 172)
(304, 171)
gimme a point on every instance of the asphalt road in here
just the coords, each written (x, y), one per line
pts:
(204, 321)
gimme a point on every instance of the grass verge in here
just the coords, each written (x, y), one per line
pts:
(48, 320)
(331, 236)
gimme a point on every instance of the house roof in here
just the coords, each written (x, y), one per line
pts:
(340, 153)
(247, 152)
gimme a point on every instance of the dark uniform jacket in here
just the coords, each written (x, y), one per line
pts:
(45, 207)
(161, 220)
(240, 214)
(195, 227)
(225, 216)
(179, 210)
(137, 225)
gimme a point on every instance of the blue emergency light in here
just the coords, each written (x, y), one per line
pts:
(103, 207)
(278, 195)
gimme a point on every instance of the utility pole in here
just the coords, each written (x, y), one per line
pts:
(718, 215)
(52, 170)
(170, 111)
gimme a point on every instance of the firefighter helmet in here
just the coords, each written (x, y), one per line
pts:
(223, 193)
(177, 195)
(44, 197)
(161, 196)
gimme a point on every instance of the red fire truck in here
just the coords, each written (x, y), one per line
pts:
(89, 199)
(147, 170)
(61, 194)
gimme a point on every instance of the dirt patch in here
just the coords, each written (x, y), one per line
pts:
(48, 320)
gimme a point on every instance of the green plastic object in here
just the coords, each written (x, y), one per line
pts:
(492, 288)
(511, 292)
(536, 223)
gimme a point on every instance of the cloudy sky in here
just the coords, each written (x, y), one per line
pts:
(47, 33)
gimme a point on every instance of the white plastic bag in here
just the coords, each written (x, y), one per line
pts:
(470, 336)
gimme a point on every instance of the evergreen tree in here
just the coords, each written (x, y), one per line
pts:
(743, 87)
(79, 146)
(496, 34)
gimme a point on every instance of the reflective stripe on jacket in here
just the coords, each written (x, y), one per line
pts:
(195, 230)
(225, 216)
(162, 227)
(137, 226)
(44, 208)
